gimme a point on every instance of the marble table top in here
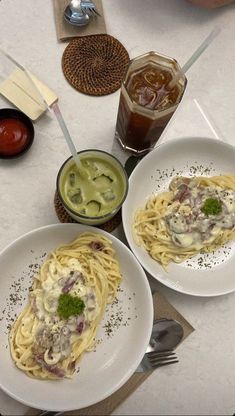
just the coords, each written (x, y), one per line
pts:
(203, 383)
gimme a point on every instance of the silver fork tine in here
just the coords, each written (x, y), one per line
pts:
(94, 12)
(87, 10)
(161, 359)
(164, 363)
(91, 10)
(97, 13)
(155, 359)
(153, 354)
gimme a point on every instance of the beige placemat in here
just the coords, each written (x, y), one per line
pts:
(162, 309)
(65, 31)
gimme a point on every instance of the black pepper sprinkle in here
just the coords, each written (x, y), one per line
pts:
(210, 260)
(115, 316)
(19, 293)
(187, 170)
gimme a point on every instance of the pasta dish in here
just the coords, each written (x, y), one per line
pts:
(66, 304)
(195, 215)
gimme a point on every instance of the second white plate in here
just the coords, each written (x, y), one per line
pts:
(205, 274)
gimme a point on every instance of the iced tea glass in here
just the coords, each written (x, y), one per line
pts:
(150, 93)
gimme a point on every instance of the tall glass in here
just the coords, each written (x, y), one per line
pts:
(150, 93)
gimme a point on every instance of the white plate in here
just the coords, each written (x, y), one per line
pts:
(116, 357)
(205, 275)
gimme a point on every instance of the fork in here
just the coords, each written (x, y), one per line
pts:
(150, 361)
(90, 8)
(155, 359)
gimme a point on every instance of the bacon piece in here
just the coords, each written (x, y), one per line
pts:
(80, 326)
(69, 283)
(96, 246)
(183, 192)
(178, 181)
(72, 366)
(53, 369)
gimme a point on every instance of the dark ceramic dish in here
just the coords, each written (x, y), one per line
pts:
(15, 142)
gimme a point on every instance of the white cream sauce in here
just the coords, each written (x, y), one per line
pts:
(54, 337)
(187, 224)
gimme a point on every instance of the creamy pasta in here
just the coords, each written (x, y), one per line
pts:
(195, 215)
(66, 304)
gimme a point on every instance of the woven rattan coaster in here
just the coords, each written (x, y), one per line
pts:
(63, 216)
(95, 64)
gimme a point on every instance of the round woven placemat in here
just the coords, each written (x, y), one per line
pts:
(63, 216)
(95, 64)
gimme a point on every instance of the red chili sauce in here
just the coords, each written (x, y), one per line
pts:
(14, 136)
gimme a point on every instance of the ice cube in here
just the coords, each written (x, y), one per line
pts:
(93, 207)
(146, 97)
(108, 195)
(152, 79)
(76, 198)
(72, 177)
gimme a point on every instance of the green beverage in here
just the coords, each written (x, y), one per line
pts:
(96, 193)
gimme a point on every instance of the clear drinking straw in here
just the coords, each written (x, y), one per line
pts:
(59, 117)
(211, 124)
(56, 109)
(215, 32)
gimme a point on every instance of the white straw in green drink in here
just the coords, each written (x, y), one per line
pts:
(67, 137)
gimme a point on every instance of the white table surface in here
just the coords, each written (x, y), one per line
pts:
(203, 382)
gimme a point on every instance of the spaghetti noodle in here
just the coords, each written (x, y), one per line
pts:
(195, 215)
(66, 304)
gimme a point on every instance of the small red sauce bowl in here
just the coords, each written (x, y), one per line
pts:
(16, 133)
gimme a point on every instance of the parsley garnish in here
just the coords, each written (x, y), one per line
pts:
(69, 306)
(211, 206)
